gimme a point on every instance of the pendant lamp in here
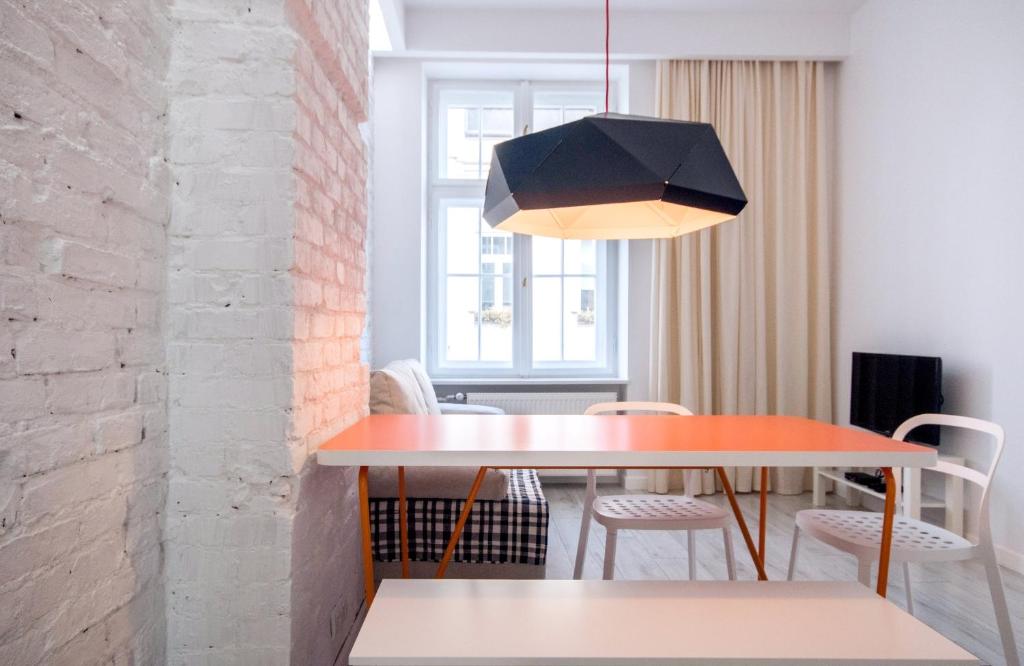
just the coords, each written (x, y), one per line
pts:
(612, 176)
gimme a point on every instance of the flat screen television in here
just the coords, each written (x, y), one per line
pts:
(887, 389)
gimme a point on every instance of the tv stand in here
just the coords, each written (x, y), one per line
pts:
(910, 499)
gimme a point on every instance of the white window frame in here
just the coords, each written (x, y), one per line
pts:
(440, 190)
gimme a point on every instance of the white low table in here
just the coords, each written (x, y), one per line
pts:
(498, 622)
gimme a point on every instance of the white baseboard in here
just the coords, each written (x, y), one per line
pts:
(1010, 559)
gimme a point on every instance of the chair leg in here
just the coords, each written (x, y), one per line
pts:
(864, 571)
(691, 554)
(730, 557)
(588, 509)
(609, 553)
(995, 587)
(792, 553)
(906, 586)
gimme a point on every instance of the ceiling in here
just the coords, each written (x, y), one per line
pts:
(758, 6)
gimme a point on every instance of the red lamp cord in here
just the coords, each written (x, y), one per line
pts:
(607, 67)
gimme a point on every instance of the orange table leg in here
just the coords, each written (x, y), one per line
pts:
(761, 575)
(888, 518)
(364, 524)
(762, 521)
(460, 523)
(403, 522)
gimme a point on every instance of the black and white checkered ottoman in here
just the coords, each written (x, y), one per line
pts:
(513, 530)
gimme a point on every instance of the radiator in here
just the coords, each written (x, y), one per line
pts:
(549, 403)
(540, 403)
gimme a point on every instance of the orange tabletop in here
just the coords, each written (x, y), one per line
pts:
(613, 441)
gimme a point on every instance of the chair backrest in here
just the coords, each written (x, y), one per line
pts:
(615, 407)
(979, 478)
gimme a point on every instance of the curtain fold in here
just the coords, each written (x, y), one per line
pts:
(740, 311)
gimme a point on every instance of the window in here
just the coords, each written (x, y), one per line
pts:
(502, 305)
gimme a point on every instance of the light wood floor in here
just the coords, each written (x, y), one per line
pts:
(952, 598)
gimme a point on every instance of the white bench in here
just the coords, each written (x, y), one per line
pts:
(497, 622)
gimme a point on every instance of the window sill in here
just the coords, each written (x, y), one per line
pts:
(529, 381)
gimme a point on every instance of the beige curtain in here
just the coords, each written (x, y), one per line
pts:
(740, 312)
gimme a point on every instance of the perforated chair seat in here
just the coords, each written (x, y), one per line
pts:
(658, 512)
(860, 533)
(648, 512)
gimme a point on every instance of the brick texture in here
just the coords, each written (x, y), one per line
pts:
(84, 199)
(266, 294)
(182, 293)
(330, 380)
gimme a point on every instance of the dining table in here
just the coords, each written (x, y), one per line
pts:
(633, 441)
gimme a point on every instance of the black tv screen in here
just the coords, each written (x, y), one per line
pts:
(887, 389)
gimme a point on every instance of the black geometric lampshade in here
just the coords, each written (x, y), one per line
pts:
(612, 176)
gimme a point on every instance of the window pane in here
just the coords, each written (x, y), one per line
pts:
(546, 117)
(580, 257)
(576, 112)
(554, 107)
(547, 255)
(497, 122)
(462, 143)
(580, 320)
(461, 320)
(496, 322)
(462, 231)
(565, 308)
(547, 319)
(469, 124)
(478, 283)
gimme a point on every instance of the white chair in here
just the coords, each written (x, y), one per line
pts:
(648, 512)
(859, 532)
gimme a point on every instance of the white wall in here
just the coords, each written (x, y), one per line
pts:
(84, 197)
(929, 240)
(398, 165)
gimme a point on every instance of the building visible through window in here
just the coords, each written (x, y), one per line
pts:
(504, 305)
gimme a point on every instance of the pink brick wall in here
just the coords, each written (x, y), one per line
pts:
(330, 381)
(83, 432)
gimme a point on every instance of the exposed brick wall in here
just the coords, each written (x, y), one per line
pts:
(266, 297)
(330, 381)
(231, 86)
(83, 434)
(251, 300)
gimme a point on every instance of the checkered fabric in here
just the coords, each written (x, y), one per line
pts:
(512, 530)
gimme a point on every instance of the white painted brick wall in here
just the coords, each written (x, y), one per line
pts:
(252, 301)
(229, 334)
(84, 197)
(266, 295)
